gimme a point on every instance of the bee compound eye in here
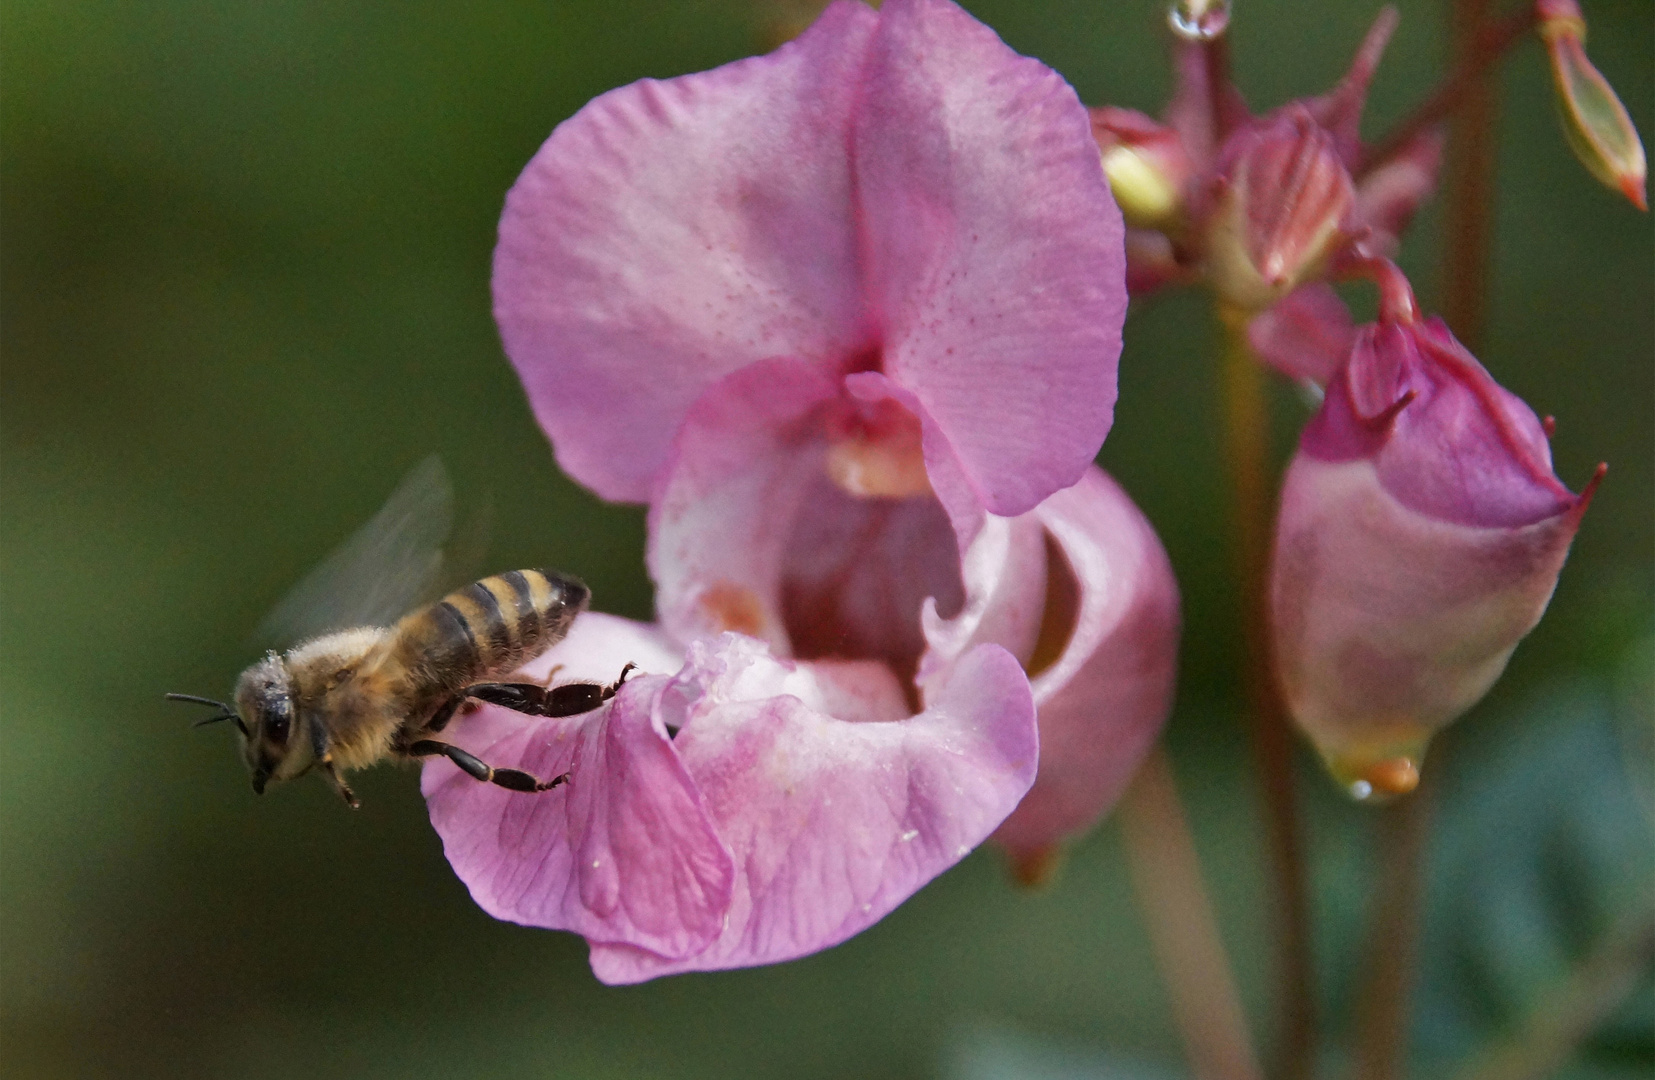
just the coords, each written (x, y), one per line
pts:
(278, 722)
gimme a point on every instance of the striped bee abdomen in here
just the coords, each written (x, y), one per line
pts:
(491, 627)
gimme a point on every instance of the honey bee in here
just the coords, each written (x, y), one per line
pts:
(355, 697)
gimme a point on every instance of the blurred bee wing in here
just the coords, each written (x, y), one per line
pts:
(388, 567)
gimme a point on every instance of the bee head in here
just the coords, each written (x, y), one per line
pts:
(270, 723)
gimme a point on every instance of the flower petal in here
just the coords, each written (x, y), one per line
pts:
(1305, 335)
(833, 824)
(994, 249)
(1448, 441)
(671, 232)
(1390, 622)
(626, 850)
(1004, 572)
(1105, 697)
(748, 533)
(1391, 191)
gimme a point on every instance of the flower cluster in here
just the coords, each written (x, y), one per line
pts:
(847, 318)
(1421, 528)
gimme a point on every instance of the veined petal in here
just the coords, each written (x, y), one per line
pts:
(834, 823)
(1106, 693)
(626, 850)
(671, 232)
(994, 250)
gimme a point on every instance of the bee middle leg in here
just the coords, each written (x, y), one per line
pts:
(478, 769)
(323, 755)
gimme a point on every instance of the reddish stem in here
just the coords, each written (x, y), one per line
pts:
(1166, 876)
(1468, 197)
(1473, 56)
(1382, 1012)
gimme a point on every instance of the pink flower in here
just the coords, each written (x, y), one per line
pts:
(1420, 537)
(847, 317)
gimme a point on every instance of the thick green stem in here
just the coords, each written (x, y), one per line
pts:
(1246, 429)
(1166, 877)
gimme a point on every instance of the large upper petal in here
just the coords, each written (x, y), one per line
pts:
(626, 850)
(834, 823)
(994, 250)
(671, 232)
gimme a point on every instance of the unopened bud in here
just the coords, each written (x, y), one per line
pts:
(1420, 537)
(1284, 204)
(1595, 122)
(1146, 166)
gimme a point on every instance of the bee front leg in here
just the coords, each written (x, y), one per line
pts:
(478, 769)
(324, 760)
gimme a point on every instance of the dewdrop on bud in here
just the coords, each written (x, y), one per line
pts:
(1199, 20)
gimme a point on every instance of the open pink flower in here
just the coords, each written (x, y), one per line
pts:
(847, 317)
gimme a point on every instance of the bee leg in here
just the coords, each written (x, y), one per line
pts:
(478, 769)
(443, 715)
(570, 699)
(340, 786)
(324, 759)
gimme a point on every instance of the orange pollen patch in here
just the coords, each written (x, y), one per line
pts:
(879, 453)
(1394, 776)
(728, 606)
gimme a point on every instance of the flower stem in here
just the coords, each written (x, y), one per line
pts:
(1382, 1012)
(1574, 1007)
(1246, 429)
(1166, 877)
(1474, 55)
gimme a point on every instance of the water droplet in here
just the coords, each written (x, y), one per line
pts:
(1361, 790)
(1199, 20)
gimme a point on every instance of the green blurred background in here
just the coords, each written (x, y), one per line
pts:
(244, 286)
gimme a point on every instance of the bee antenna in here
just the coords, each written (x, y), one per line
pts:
(200, 701)
(227, 714)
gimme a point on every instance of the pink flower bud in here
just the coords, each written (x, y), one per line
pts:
(1146, 166)
(1594, 120)
(1283, 203)
(1420, 537)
